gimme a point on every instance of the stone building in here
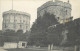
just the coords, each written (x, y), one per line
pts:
(10, 45)
(16, 20)
(62, 10)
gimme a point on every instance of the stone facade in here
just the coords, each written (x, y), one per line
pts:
(16, 20)
(62, 10)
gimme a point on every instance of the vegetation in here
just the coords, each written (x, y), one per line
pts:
(54, 35)
(40, 28)
(46, 30)
(12, 36)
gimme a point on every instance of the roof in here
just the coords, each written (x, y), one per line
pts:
(16, 12)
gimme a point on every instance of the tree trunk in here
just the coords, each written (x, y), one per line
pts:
(76, 48)
(51, 46)
(17, 44)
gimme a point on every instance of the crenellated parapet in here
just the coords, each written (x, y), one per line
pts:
(58, 3)
(16, 12)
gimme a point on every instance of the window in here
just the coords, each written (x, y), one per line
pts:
(20, 26)
(14, 26)
(66, 12)
(15, 20)
(12, 18)
(23, 44)
(58, 18)
(23, 20)
(5, 26)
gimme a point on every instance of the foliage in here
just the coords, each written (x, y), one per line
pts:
(73, 36)
(40, 27)
(55, 34)
(12, 36)
(1, 38)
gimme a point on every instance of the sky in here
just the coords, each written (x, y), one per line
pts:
(30, 6)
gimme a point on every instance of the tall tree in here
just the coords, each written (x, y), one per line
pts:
(55, 34)
(73, 36)
(40, 28)
(1, 38)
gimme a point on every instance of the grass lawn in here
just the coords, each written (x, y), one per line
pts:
(25, 50)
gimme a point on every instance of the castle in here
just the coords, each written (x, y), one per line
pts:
(16, 20)
(61, 10)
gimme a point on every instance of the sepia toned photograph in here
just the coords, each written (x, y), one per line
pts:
(39, 25)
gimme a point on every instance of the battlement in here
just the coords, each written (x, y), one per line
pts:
(16, 12)
(57, 3)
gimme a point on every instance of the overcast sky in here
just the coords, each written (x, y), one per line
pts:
(30, 6)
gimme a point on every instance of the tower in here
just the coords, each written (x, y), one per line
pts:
(62, 10)
(16, 20)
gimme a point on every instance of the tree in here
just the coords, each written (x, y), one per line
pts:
(9, 35)
(73, 36)
(77, 40)
(1, 38)
(55, 34)
(40, 27)
(73, 31)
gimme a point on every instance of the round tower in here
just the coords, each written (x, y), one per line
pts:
(62, 10)
(16, 20)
